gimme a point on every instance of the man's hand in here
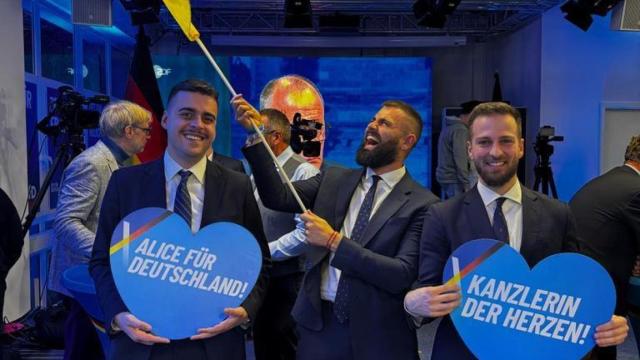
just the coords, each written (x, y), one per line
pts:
(236, 316)
(613, 332)
(319, 231)
(137, 330)
(245, 113)
(432, 301)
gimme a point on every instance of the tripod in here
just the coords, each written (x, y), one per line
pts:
(542, 171)
(68, 150)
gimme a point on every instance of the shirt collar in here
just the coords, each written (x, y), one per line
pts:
(120, 155)
(488, 196)
(285, 155)
(634, 169)
(390, 178)
(171, 168)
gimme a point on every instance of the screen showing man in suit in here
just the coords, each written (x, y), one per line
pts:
(607, 211)
(125, 128)
(201, 192)
(362, 233)
(293, 94)
(498, 207)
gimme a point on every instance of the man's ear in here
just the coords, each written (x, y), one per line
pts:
(409, 141)
(163, 121)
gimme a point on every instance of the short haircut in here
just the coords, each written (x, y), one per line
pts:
(118, 115)
(415, 121)
(193, 85)
(496, 108)
(633, 149)
(278, 121)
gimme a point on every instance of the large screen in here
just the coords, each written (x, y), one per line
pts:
(352, 91)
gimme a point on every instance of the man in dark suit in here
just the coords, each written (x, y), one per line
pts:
(607, 211)
(11, 243)
(362, 232)
(498, 207)
(202, 193)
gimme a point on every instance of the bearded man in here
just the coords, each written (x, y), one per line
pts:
(362, 233)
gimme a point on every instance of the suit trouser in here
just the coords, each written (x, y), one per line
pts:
(332, 342)
(274, 333)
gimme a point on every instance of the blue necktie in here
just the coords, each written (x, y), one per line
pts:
(340, 305)
(182, 203)
(500, 228)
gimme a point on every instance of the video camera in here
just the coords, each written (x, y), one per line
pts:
(73, 113)
(546, 134)
(303, 132)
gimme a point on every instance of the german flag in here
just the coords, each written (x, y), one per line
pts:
(142, 89)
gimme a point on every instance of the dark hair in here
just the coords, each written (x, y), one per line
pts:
(467, 107)
(193, 85)
(633, 149)
(496, 108)
(412, 115)
(278, 121)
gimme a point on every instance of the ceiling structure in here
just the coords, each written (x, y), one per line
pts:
(474, 20)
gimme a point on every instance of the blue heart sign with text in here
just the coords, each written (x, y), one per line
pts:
(178, 281)
(509, 311)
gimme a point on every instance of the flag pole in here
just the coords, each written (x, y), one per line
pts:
(253, 124)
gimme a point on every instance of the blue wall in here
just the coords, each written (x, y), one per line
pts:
(580, 70)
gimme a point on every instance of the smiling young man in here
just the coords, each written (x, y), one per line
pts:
(499, 207)
(362, 233)
(201, 192)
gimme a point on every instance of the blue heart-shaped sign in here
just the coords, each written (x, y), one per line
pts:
(509, 311)
(178, 281)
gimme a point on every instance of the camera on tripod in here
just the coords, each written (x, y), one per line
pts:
(544, 150)
(72, 110)
(303, 131)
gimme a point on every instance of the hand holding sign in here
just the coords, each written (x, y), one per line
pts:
(508, 311)
(182, 283)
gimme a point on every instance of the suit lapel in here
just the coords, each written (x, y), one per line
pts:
(530, 225)
(395, 200)
(214, 184)
(476, 215)
(343, 198)
(154, 185)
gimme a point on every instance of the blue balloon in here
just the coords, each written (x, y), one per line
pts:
(509, 311)
(177, 281)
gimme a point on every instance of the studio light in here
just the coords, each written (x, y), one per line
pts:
(433, 13)
(297, 14)
(579, 12)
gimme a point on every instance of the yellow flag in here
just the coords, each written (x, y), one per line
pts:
(181, 11)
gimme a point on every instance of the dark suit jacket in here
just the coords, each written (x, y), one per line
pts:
(228, 197)
(380, 269)
(228, 162)
(607, 211)
(548, 228)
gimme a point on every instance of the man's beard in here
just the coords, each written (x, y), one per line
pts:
(383, 154)
(495, 180)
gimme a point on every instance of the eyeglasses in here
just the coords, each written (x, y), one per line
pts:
(147, 130)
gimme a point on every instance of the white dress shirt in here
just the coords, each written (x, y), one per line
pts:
(511, 208)
(330, 276)
(195, 185)
(292, 243)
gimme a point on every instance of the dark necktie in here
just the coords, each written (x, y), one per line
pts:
(182, 203)
(340, 305)
(500, 228)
